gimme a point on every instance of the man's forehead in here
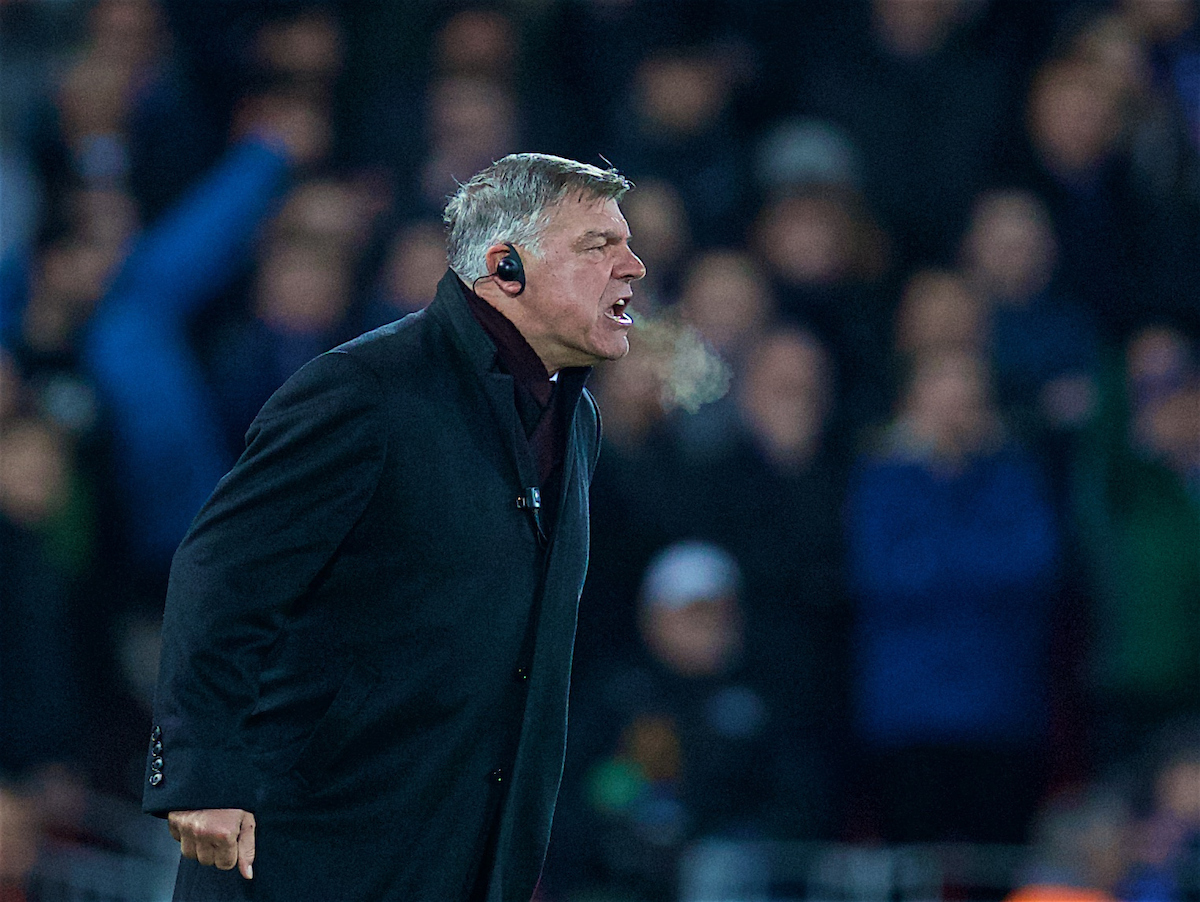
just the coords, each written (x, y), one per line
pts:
(584, 216)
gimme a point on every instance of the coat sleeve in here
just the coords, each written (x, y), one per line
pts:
(312, 462)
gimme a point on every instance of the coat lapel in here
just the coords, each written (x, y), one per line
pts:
(449, 307)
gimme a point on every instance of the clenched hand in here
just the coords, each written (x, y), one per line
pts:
(222, 837)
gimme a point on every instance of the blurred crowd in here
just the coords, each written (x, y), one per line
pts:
(896, 527)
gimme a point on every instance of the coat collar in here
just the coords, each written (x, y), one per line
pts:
(449, 308)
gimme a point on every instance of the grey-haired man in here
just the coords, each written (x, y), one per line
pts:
(369, 626)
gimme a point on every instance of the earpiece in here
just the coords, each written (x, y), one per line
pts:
(510, 268)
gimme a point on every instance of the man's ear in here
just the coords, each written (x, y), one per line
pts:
(506, 268)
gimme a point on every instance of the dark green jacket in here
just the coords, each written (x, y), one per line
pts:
(368, 638)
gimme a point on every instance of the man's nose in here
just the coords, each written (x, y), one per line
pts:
(630, 266)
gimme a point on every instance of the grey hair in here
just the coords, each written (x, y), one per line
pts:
(510, 200)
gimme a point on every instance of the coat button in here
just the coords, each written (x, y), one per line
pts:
(156, 764)
(156, 778)
(496, 776)
(156, 733)
(156, 747)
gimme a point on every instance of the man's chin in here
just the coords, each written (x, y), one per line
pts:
(618, 352)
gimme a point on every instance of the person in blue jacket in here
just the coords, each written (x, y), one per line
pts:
(952, 556)
(131, 345)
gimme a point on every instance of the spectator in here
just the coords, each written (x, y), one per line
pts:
(922, 109)
(1139, 515)
(1044, 348)
(1078, 848)
(413, 261)
(125, 114)
(1166, 847)
(659, 223)
(727, 299)
(679, 128)
(301, 295)
(637, 483)
(772, 498)
(953, 551)
(826, 258)
(41, 702)
(1163, 166)
(777, 505)
(1121, 251)
(168, 447)
(674, 743)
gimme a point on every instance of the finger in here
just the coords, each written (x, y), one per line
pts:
(204, 854)
(187, 846)
(245, 847)
(173, 827)
(225, 853)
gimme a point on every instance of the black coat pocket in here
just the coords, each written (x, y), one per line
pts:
(337, 725)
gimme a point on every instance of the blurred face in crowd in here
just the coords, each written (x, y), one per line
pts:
(69, 278)
(1178, 790)
(307, 48)
(33, 471)
(299, 119)
(948, 404)
(656, 215)
(1164, 394)
(478, 42)
(578, 285)
(416, 261)
(726, 298)
(131, 32)
(806, 239)
(303, 287)
(631, 393)
(1074, 116)
(471, 122)
(785, 394)
(470, 118)
(328, 211)
(681, 94)
(1010, 248)
(1156, 361)
(107, 217)
(1172, 428)
(93, 100)
(938, 312)
(20, 836)
(1110, 43)
(701, 638)
(909, 28)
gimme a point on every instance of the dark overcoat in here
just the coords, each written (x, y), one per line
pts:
(368, 631)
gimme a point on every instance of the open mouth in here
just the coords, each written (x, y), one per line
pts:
(617, 312)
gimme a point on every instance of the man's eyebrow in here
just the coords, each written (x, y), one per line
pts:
(608, 235)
